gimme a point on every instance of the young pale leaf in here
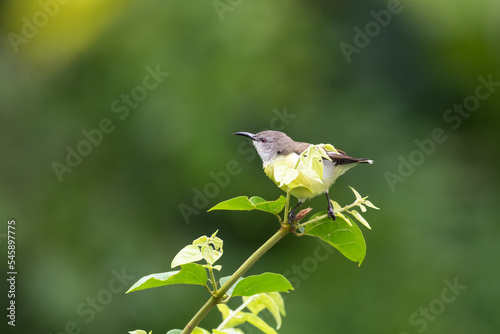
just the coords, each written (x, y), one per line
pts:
(370, 204)
(138, 331)
(312, 163)
(191, 273)
(362, 207)
(217, 255)
(358, 196)
(329, 147)
(323, 152)
(208, 254)
(217, 242)
(339, 214)
(174, 331)
(199, 330)
(241, 317)
(336, 206)
(261, 302)
(266, 282)
(345, 237)
(284, 175)
(201, 241)
(228, 331)
(188, 254)
(244, 203)
(359, 217)
(257, 322)
(226, 311)
(278, 300)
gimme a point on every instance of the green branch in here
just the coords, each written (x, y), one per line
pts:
(217, 297)
(345, 208)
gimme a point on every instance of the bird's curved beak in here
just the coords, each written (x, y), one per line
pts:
(245, 134)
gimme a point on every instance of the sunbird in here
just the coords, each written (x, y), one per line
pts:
(276, 147)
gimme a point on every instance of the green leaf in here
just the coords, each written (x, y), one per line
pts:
(348, 239)
(244, 203)
(188, 254)
(272, 206)
(266, 282)
(138, 331)
(256, 200)
(237, 203)
(223, 281)
(191, 273)
(174, 331)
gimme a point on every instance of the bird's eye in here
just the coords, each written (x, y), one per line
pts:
(263, 140)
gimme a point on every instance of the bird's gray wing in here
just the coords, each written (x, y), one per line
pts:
(343, 159)
(338, 158)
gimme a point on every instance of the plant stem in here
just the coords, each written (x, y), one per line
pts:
(216, 298)
(313, 220)
(345, 208)
(214, 282)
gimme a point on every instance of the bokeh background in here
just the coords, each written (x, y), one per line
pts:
(247, 66)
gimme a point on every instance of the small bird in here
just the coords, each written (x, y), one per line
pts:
(274, 147)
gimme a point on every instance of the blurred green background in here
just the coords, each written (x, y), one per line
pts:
(246, 66)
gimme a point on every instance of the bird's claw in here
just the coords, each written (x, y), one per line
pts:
(331, 213)
(291, 219)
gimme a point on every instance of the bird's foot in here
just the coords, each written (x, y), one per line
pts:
(291, 219)
(331, 213)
